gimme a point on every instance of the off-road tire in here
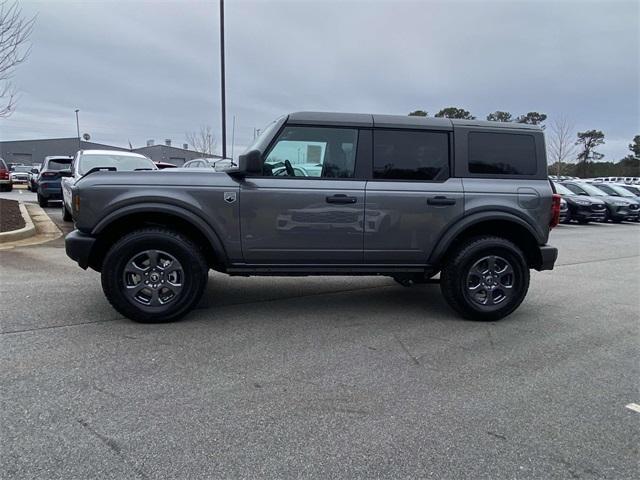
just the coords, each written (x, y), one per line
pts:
(188, 254)
(453, 278)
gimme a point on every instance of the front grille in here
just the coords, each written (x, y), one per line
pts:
(597, 207)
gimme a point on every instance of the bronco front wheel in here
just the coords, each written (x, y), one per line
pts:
(154, 275)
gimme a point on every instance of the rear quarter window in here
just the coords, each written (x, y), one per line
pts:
(502, 154)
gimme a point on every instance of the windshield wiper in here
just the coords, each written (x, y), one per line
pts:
(100, 169)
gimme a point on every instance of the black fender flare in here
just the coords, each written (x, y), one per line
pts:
(152, 207)
(476, 218)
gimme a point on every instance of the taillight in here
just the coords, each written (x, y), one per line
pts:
(555, 211)
(4, 174)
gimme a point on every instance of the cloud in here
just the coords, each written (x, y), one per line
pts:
(140, 70)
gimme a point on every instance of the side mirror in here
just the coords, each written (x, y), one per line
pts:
(65, 173)
(248, 164)
(34, 170)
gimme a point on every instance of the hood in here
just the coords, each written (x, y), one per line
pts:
(612, 199)
(167, 177)
(585, 199)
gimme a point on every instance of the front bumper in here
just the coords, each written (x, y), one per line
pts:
(548, 257)
(78, 246)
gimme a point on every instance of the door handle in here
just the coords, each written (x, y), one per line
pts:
(341, 198)
(441, 200)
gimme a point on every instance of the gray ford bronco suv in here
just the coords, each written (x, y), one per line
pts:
(330, 194)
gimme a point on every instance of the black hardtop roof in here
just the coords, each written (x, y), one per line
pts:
(395, 121)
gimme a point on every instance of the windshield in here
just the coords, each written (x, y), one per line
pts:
(126, 163)
(58, 164)
(262, 141)
(22, 168)
(623, 192)
(590, 189)
(562, 190)
(608, 190)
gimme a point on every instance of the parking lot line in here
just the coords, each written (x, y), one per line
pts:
(633, 406)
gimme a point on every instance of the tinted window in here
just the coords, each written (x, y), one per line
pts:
(410, 155)
(58, 164)
(502, 153)
(313, 152)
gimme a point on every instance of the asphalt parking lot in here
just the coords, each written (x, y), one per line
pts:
(324, 377)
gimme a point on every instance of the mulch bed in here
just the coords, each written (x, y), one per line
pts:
(10, 216)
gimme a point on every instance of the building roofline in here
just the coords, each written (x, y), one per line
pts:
(162, 145)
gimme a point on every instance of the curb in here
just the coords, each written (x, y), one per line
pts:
(27, 231)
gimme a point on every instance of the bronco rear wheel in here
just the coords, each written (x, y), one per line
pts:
(154, 275)
(486, 278)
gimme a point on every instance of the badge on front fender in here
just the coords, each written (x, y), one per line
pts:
(229, 197)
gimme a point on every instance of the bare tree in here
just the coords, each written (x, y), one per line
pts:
(15, 31)
(203, 141)
(562, 147)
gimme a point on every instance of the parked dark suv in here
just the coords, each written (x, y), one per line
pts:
(51, 173)
(407, 197)
(618, 208)
(581, 208)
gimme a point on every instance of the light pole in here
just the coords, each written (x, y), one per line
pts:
(78, 129)
(222, 89)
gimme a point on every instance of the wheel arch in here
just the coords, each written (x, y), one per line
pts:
(500, 224)
(130, 218)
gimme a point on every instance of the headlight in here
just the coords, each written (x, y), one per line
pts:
(582, 202)
(621, 204)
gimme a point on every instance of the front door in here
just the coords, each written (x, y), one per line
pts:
(411, 200)
(306, 208)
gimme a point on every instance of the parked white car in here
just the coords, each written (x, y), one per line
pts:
(20, 173)
(87, 160)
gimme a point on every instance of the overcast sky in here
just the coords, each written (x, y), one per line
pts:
(141, 70)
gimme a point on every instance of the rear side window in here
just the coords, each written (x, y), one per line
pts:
(3, 165)
(502, 154)
(410, 155)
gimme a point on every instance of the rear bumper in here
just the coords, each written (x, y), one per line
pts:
(50, 189)
(78, 246)
(548, 257)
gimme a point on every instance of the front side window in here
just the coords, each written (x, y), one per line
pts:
(502, 154)
(410, 155)
(313, 152)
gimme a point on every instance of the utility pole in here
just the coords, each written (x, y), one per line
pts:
(78, 129)
(233, 137)
(222, 87)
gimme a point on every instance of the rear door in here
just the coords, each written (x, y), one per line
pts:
(411, 198)
(307, 207)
